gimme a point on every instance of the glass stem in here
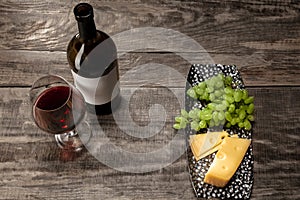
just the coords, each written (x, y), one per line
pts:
(69, 141)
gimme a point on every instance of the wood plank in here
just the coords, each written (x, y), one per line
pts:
(21, 68)
(233, 26)
(260, 37)
(31, 166)
(276, 134)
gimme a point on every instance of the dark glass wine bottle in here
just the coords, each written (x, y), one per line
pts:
(92, 56)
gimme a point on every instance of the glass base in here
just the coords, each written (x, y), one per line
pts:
(69, 141)
(72, 141)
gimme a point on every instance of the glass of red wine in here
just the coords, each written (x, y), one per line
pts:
(59, 108)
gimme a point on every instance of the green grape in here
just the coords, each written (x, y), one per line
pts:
(176, 126)
(245, 94)
(237, 95)
(220, 107)
(219, 81)
(200, 91)
(210, 89)
(201, 115)
(228, 90)
(209, 83)
(233, 121)
(191, 92)
(228, 116)
(242, 114)
(207, 117)
(241, 124)
(229, 98)
(205, 114)
(249, 100)
(228, 125)
(206, 111)
(184, 113)
(228, 80)
(202, 85)
(231, 108)
(205, 96)
(250, 118)
(250, 108)
(247, 125)
(243, 107)
(217, 101)
(237, 119)
(219, 84)
(225, 103)
(202, 124)
(215, 116)
(195, 125)
(212, 97)
(183, 124)
(221, 116)
(194, 114)
(218, 93)
(214, 80)
(178, 119)
(217, 123)
(211, 106)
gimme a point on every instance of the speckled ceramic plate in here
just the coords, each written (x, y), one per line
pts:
(240, 185)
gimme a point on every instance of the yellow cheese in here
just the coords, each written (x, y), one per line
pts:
(215, 148)
(203, 155)
(205, 144)
(226, 161)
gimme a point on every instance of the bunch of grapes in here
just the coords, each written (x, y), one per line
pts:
(223, 106)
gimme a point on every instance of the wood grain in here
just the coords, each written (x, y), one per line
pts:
(276, 135)
(261, 37)
(21, 68)
(31, 163)
(231, 26)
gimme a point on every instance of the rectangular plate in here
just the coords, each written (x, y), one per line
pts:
(240, 185)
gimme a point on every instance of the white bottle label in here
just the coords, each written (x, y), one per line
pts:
(98, 91)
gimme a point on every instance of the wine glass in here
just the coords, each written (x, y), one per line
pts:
(59, 108)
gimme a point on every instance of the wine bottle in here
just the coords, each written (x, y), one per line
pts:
(92, 56)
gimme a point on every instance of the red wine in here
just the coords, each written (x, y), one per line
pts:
(58, 109)
(49, 99)
(92, 56)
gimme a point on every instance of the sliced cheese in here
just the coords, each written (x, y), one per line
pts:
(203, 155)
(205, 144)
(226, 161)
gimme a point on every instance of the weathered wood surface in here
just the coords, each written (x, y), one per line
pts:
(261, 37)
(20, 68)
(32, 165)
(243, 27)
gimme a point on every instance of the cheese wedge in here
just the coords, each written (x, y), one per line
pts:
(203, 155)
(226, 161)
(205, 144)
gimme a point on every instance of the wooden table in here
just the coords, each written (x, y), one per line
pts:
(261, 37)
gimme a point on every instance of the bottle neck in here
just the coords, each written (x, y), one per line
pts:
(87, 29)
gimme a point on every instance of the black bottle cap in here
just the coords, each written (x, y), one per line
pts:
(83, 12)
